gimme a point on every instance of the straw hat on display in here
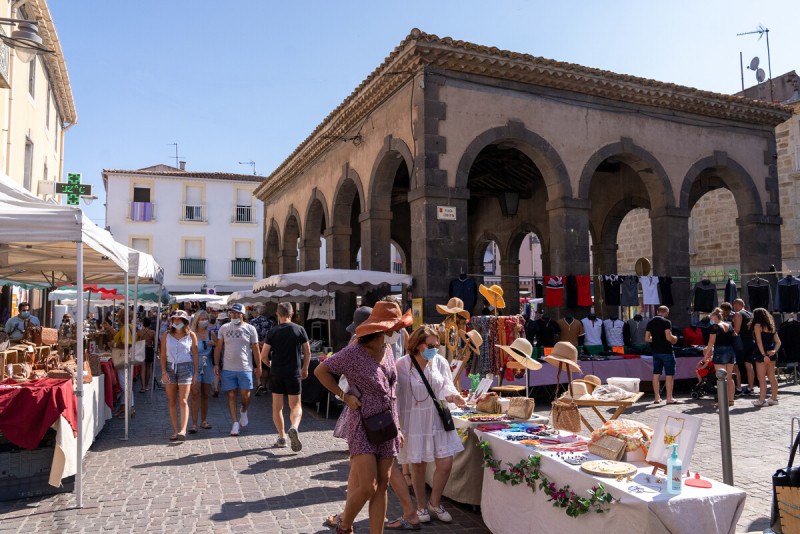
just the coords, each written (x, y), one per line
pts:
(591, 382)
(521, 351)
(474, 341)
(454, 305)
(564, 353)
(359, 316)
(579, 391)
(385, 317)
(494, 294)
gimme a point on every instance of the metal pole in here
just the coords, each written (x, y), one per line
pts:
(724, 427)
(79, 393)
(136, 310)
(769, 67)
(157, 343)
(126, 341)
(741, 69)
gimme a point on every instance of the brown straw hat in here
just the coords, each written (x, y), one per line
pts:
(494, 294)
(591, 382)
(454, 305)
(385, 317)
(522, 352)
(566, 353)
(474, 341)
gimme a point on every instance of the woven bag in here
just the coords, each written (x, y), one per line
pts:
(520, 407)
(564, 414)
(49, 336)
(488, 403)
(608, 448)
(94, 363)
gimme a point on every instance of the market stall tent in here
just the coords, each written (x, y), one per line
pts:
(248, 298)
(339, 280)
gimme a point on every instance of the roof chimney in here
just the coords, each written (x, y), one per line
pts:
(182, 165)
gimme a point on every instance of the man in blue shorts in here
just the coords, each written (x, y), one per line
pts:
(659, 335)
(237, 343)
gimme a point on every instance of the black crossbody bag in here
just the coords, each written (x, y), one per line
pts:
(441, 406)
(380, 427)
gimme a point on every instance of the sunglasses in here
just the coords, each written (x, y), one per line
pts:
(433, 345)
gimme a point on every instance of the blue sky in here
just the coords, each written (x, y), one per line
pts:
(249, 80)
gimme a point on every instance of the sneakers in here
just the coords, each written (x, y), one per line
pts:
(281, 443)
(747, 390)
(759, 404)
(259, 391)
(440, 513)
(243, 419)
(295, 439)
(772, 402)
(738, 392)
(424, 516)
(235, 429)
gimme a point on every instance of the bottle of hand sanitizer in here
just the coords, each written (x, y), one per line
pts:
(674, 469)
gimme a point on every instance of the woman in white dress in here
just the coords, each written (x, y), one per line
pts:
(426, 439)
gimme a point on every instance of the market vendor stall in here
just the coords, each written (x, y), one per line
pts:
(641, 505)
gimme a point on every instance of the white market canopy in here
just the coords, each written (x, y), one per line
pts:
(215, 300)
(333, 280)
(248, 298)
(37, 243)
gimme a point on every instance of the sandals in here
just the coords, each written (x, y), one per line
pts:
(205, 425)
(121, 414)
(193, 430)
(408, 479)
(403, 525)
(338, 526)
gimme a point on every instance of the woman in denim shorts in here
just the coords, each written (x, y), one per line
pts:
(206, 341)
(178, 370)
(721, 347)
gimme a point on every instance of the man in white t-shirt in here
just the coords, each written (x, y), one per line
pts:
(238, 341)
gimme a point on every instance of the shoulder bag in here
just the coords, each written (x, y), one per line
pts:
(782, 480)
(564, 414)
(441, 406)
(380, 427)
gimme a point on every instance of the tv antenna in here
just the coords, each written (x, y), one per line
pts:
(761, 31)
(251, 163)
(176, 156)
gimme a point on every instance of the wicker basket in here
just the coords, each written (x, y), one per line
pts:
(608, 447)
(789, 508)
(60, 373)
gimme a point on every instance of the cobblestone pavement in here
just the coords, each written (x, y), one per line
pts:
(217, 483)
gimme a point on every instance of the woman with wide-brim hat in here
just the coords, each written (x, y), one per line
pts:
(369, 366)
(178, 363)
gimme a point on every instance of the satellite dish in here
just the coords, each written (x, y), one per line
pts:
(760, 75)
(754, 63)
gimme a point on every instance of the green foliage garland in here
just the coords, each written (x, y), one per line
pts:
(527, 472)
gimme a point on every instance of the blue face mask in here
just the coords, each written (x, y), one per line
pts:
(178, 326)
(236, 321)
(429, 354)
(25, 314)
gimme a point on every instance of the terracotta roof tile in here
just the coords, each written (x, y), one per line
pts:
(187, 174)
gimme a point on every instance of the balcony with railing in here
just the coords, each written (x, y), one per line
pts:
(142, 212)
(193, 267)
(243, 214)
(243, 268)
(193, 213)
(397, 268)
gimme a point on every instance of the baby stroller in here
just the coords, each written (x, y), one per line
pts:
(708, 386)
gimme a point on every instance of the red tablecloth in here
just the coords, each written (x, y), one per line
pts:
(112, 382)
(28, 409)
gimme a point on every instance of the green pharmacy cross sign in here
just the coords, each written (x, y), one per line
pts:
(73, 188)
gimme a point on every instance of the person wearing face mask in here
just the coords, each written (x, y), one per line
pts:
(178, 370)
(206, 341)
(287, 354)
(426, 439)
(15, 327)
(239, 341)
(720, 348)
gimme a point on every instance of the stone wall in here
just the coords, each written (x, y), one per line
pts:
(713, 234)
(787, 136)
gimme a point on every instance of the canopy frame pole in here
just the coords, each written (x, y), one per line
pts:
(127, 344)
(79, 348)
(135, 331)
(157, 342)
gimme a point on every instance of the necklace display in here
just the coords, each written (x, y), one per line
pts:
(669, 439)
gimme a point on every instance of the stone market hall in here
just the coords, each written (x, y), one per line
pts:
(517, 144)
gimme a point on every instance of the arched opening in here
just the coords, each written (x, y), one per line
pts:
(312, 252)
(714, 251)
(290, 257)
(528, 251)
(272, 250)
(344, 238)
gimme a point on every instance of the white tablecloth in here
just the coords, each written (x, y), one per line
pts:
(95, 414)
(518, 510)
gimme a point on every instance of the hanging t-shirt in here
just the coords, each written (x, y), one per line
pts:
(614, 332)
(571, 291)
(553, 290)
(650, 290)
(630, 291)
(730, 293)
(584, 290)
(611, 287)
(665, 286)
(593, 331)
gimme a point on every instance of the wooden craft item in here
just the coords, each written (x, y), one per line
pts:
(788, 505)
(608, 468)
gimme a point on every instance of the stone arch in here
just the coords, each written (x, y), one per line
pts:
(641, 161)
(272, 249)
(292, 230)
(534, 146)
(515, 241)
(384, 170)
(716, 171)
(608, 231)
(348, 188)
(316, 214)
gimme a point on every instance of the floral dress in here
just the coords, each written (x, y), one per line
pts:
(374, 384)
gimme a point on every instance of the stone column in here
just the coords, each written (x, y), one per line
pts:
(670, 239)
(439, 248)
(287, 262)
(569, 242)
(309, 254)
(337, 249)
(759, 246)
(605, 262)
(376, 237)
(510, 286)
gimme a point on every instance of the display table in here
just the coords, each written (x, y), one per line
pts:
(641, 368)
(517, 509)
(466, 477)
(621, 406)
